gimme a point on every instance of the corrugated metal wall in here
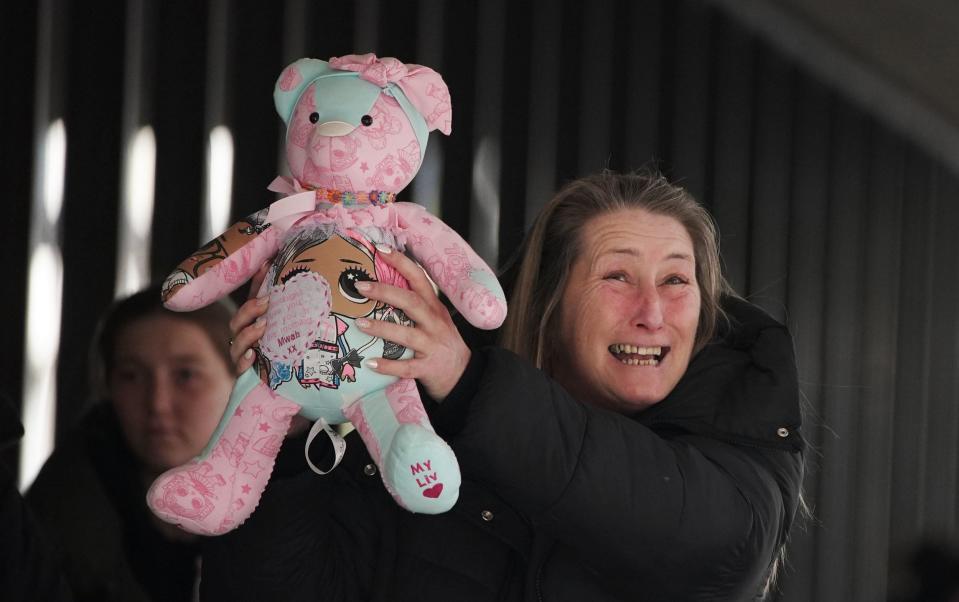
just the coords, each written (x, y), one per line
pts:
(830, 220)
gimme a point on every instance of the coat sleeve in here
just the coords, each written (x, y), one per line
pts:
(635, 503)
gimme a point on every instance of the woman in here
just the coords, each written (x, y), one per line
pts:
(166, 378)
(637, 438)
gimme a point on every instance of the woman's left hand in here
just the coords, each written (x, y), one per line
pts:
(439, 353)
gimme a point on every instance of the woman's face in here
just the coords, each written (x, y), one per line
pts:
(629, 312)
(169, 387)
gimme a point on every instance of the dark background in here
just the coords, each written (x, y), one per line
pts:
(831, 219)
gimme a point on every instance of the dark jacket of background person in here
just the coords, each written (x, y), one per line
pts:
(90, 496)
(29, 566)
(560, 501)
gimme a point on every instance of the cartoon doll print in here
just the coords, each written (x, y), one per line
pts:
(342, 259)
(325, 363)
(191, 495)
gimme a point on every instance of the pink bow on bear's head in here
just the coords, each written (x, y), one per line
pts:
(424, 87)
(378, 71)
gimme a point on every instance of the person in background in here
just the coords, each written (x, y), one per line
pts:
(163, 379)
(30, 570)
(635, 435)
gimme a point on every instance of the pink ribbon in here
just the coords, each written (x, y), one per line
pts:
(286, 185)
(286, 211)
(378, 71)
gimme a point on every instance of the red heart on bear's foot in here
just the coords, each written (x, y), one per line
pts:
(434, 491)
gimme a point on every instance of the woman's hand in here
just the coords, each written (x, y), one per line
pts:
(439, 353)
(248, 324)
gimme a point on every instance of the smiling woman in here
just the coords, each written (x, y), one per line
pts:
(637, 438)
(559, 241)
(629, 311)
(620, 298)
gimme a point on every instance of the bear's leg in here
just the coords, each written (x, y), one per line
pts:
(219, 489)
(418, 468)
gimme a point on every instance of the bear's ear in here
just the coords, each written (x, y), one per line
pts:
(291, 83)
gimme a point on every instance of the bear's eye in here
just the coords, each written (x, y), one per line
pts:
(314, 117)
(366, 120)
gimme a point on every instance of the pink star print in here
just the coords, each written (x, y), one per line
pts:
(364, 167)
(246, 488)
(427, 221)
(257, 410)
(238, 412)
(265, 427)
(253, 469)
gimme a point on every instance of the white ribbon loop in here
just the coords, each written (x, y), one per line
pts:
(339, 445)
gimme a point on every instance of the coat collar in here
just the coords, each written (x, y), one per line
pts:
(742, 387)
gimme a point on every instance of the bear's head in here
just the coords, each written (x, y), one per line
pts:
(359, 123)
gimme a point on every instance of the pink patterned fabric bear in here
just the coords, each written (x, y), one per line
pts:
(357, 128)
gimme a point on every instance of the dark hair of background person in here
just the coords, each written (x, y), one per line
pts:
(213, 319)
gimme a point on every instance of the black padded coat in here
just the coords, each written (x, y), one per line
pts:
(687, 500)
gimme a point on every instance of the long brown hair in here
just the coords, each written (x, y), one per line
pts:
(555, 241)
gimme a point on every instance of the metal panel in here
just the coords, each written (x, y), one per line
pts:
(880, 314)
(568, 91)
(769, 218)
(806, 299)
(942, 453)
(597, 81)
(690, 128)
(458, 70)
(488, 139)
(732, 147)
(18, 60)
(251, 67)
(642, 25)
(515, 148)
(178, 93)
(545, 132)
(93, 101)
(910, 411)
(840, 353)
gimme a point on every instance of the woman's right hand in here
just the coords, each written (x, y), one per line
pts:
(248, 324)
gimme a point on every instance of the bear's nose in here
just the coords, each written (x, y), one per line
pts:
(334, 128)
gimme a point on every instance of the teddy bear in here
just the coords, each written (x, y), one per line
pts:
(357, 129)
